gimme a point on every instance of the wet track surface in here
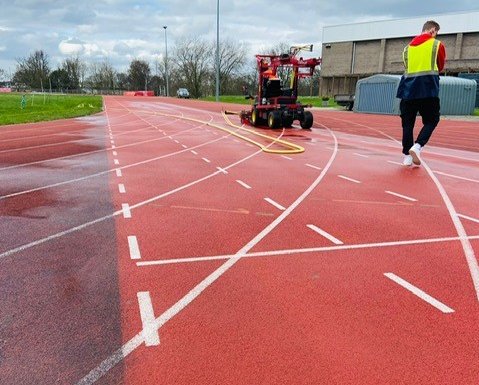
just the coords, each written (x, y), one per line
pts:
(150, 244)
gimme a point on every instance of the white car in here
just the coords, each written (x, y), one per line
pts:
(183, 93)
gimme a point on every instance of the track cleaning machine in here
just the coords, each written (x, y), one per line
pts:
(276, 102)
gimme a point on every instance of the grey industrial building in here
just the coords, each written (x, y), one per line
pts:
(354, 51)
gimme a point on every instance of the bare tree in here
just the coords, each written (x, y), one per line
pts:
(139, 74)
(3, 75)
(74, 67)
(33, 70)
(102, 76)
(193, 57)
(232, 59)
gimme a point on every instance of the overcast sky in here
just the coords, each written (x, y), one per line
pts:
(121, 30)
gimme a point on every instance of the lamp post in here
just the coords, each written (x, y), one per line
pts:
(166, 62)
(217, 50)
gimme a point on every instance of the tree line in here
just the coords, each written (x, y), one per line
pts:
(191, 65)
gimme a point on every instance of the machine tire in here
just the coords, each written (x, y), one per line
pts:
(255, 119)
(307, 121)
(274, 119)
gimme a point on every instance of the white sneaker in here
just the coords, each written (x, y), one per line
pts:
(407, 161)
(414, 152)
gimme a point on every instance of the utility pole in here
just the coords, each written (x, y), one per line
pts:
(166, 63)
(217, 50)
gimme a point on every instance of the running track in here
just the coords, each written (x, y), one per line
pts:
(145, 245)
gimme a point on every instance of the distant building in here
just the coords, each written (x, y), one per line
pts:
(354, 51)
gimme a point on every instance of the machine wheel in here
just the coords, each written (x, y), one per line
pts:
(307, 121)
(287, 120)
(255, 119)
(274, 119)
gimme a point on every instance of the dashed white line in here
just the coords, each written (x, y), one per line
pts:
(184, 146)
(126, 210)
(222, 170)
(312, 166)
(457, 177)
(121, 188)
(392, 162)
(401, 196)
(316, 229)
(243, 184)
(134, 248)
(286, 157)
(418, 292)
(116, 161)
(115, 153)
(349, 179)
(275, 204)
(361, 155)
(113, 147)
(118, 172)
(176, 141)
(194, 152)
(469, 218)
(206, 160)
(150, 333)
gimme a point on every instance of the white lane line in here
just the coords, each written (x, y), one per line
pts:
(112, 141)
(134, 248)
(170, 137)
(361, 155)
(176, 141)
(222, 170)
(457, 177)
(325, 234)
(469, 218)
(121, 188)
(286, 157)
(116, 161)
(392, 162)
(113, 147)
(275, 204)
(349, 179)
(401, 196)
(418, 292)
(279, 253)
(243, 184)
(115, 153)
(184, 146)
(150, 333)
(126, 210)
(194, 152)
(312, 166)
(118, 172)
(206, 160)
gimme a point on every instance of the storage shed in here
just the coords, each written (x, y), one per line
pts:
(472, 76)
(377, 94)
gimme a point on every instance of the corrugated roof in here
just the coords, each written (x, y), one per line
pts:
(450, 23)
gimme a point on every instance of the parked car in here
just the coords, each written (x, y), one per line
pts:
(183, 93)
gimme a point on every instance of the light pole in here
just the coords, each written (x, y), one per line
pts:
(217, 50)
(166, 62)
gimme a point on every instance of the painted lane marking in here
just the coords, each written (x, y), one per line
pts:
(115, 153)
(315, 167)
(176, 141)
(125, 207)
(279, 253)
(470, 218)
(418, 292)
(246, 186)
(401, 196)
(336, 241)
(194, 152)
(349, 179)
(121, 188)
(275, 204)
(222, 170)
(116, 161)
(118, 172)
(361, 155)
(392, 162)
(170, 137)
(457, 177)
(134, 248)
(184, 146)
(113, 147)
(286, 157)
(206, 160)
(150, 334)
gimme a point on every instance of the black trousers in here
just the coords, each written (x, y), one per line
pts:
(428, 108)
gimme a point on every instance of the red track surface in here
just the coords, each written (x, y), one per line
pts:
(237, 290)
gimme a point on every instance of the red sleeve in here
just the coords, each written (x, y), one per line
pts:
(441, 57)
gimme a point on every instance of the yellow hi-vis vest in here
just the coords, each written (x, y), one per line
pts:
(421, 59)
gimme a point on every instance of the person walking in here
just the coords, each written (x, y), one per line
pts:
(424, 58)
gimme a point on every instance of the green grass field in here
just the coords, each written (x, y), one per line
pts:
(44, 107)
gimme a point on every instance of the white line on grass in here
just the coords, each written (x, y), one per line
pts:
(418, 292)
